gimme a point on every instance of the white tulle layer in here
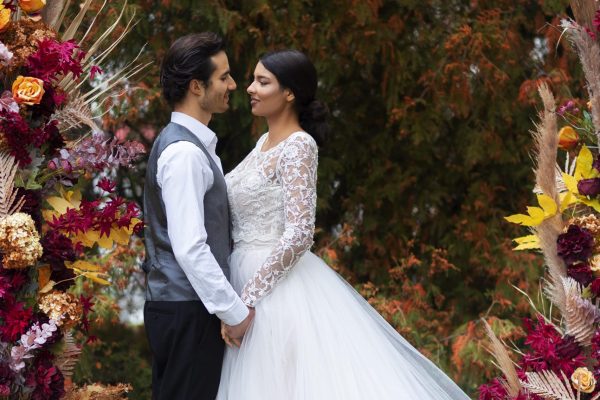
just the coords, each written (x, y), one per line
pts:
(315, 338)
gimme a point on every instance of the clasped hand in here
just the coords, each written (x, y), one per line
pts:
(233, 335)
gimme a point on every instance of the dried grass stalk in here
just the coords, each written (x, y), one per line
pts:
(548, 385)
(581, 315)
(504, 362)
(9, 204)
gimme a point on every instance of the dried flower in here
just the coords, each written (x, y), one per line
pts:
(22, 40)
(575, 245)
(19, 241)
(583, 380)
(28, 90)
(61, 307)
(567, 138)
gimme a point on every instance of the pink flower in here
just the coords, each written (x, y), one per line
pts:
(54, 59)
(107, 185)
(8, 103)
(95, 70)
(5, 55)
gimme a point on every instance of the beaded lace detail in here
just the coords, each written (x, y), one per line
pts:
(273, 198)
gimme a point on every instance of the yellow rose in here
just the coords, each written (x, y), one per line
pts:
(583, 380)
(567, 138)
(32, 6)
(595, 266)
(4, 17)
(28, 90)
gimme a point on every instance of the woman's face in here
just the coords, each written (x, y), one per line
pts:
(266, 96)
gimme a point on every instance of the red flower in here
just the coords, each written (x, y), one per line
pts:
(107, 185)
(95, 70)
(54, 59)
(16, 321)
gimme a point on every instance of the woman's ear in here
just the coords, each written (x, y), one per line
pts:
(289, 96)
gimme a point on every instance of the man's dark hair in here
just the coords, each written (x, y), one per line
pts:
(187, 59)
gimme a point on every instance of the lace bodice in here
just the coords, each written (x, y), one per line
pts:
(272, 195)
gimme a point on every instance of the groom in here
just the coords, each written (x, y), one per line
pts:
(187, 228)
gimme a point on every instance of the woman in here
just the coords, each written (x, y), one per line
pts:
(313, 336)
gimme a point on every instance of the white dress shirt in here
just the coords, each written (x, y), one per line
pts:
(184, 176)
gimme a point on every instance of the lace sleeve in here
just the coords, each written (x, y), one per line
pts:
(297, 173)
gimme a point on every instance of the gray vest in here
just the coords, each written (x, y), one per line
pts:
(165, 279)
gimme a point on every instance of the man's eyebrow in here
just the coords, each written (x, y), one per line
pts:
(224, 74)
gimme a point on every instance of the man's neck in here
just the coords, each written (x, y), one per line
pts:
(194, 112)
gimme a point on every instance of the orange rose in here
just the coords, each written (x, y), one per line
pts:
(32, 6)
(4, 17)
(567, 138)
(28, 90)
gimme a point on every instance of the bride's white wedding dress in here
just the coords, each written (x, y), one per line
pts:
(314, 337)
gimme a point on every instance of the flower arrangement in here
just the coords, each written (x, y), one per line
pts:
(561, 358)
(51, 150)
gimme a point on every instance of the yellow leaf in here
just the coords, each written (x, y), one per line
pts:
(548, 204)
(105, 242)
(120, 235)
(595, 204)
(96, 277)
(59, 204)
(520, 219)
(583, 165)
(83, 265)
(527, 242)
(570, 183)
(567, 198)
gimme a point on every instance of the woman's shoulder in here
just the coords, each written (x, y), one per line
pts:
(302, 138)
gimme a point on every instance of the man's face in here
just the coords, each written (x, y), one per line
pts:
(216, 96)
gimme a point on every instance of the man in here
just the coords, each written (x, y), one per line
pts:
(187, 228)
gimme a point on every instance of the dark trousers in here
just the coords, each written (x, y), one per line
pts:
(187, 350)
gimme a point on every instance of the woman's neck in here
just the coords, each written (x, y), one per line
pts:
(281, 126)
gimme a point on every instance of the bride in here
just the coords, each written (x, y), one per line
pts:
(313, 336)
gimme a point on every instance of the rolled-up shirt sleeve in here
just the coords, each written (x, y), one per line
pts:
(184, 175)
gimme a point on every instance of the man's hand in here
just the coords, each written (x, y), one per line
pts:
(234, 334)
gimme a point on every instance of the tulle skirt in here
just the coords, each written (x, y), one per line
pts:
(315, 338)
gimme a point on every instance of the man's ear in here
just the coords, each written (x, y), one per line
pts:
(197, 87)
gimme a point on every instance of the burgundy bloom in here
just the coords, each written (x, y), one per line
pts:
(492, 391)
(568, 347)
(54, 59)
(46, 380)
(17, 319)
(32, 205)
(575, 245)
(107, 185)
(589, 187)
(95, 70)
(548, 350)
(581, 273)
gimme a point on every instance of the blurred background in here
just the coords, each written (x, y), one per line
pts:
(431, 107)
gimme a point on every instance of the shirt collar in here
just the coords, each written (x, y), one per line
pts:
(201, 131)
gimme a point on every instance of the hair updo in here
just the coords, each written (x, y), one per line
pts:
(296, 72)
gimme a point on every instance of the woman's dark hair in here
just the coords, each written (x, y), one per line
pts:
(188, 58)
(296, 72)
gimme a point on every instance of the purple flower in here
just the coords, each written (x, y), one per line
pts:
(589, 187)
(575, 245)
